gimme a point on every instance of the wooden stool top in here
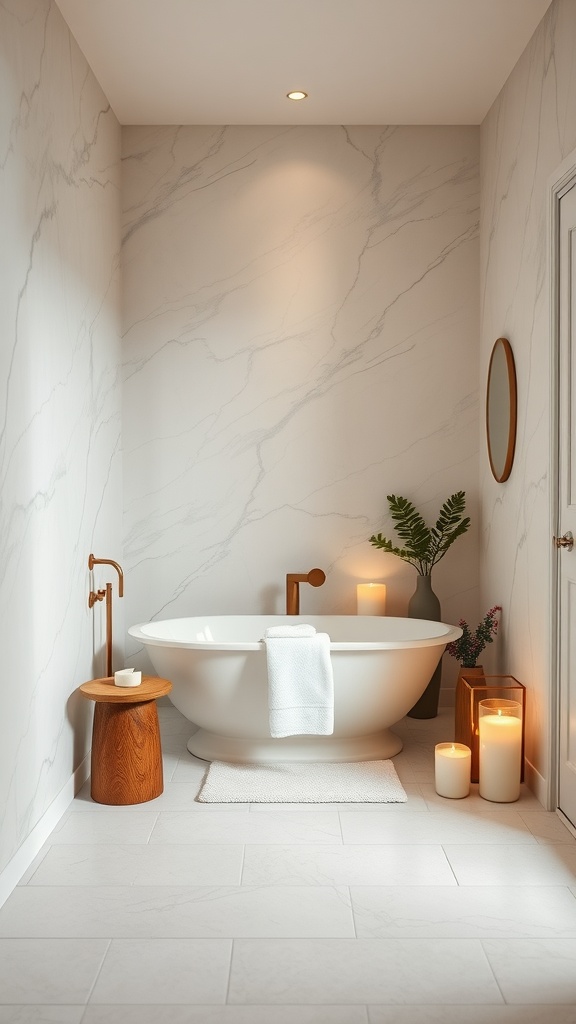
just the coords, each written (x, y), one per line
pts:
(106, 690)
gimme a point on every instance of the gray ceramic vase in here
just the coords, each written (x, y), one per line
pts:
(424, 604)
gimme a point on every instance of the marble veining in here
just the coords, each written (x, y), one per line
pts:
(529, 131)
(60, 414)
(300, 318)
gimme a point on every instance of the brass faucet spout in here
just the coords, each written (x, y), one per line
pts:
(315, 578)
(109, 561)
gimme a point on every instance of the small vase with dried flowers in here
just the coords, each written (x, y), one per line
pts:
(467, 649)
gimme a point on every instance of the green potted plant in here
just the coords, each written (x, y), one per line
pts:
(423, 547)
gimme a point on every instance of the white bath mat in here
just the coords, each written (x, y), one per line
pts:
(302, 782)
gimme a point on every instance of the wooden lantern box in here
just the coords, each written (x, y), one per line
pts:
(470, 690)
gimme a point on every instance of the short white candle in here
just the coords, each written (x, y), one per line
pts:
(500, 753)
(452, 767)
(371, 599)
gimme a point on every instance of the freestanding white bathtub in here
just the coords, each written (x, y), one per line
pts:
(217, 666)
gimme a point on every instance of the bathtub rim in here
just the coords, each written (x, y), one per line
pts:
(447, 635)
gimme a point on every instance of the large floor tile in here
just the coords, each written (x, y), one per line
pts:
(35, 863)
(189, 769)
(149, 864)
(175, 748)
(99, 823)
(173, 911)
(415, 802)
(431, 829)
(361, 971)
(547, 827)
(164, 971)
(49, 971)
(246, 827)
(224, 1015)
(464, 912)
(83, 802)
(420, 757)
(513, 865)
(405, 772)
(176, 797)
(35, 1014)
(346, 865)
(475, 803)
(471, 1015)
(534, 970)
(443, 894)
(169, 765)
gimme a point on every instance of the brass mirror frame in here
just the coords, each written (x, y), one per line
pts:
(502, 474)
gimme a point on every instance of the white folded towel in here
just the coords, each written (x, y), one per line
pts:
(300, 682)
(297, 630)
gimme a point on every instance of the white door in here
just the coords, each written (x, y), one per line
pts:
(566, 525)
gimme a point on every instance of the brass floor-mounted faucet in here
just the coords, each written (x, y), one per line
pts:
(315, 578)
(99, 595)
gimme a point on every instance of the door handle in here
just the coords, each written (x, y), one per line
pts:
(567, 541)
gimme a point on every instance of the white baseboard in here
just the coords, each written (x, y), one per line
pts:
(32, 845)
(537, 784)
(566, 821)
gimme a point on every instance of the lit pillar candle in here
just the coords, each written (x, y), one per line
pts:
(371, 599)
(500, 749)
(452, 764)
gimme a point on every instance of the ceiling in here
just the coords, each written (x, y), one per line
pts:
(360, 61)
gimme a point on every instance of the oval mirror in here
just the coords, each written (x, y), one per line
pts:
(501, 410)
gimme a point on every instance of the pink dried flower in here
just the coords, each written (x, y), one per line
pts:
(470, 645)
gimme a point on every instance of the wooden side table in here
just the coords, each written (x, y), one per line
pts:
(126, 747)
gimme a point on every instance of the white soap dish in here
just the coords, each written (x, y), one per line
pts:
(127, 677)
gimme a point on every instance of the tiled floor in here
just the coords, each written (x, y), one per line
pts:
(176, 912)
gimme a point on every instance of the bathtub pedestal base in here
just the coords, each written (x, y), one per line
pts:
(376, 747)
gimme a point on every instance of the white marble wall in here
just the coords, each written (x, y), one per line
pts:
(528, 132)
(300, 340)
(60, 493)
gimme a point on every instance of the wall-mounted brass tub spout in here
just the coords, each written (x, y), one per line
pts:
(99, 595)
(109, 561)
(315, 578)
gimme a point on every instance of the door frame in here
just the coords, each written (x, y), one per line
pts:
(560, 182)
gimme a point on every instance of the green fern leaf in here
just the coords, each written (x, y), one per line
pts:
(386, 545)
(410, 526)
(424, 547)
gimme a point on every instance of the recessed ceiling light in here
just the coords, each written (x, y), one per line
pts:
(297, 95)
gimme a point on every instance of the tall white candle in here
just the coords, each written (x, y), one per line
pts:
(452, 764)
(500, 751)
(371, 599)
